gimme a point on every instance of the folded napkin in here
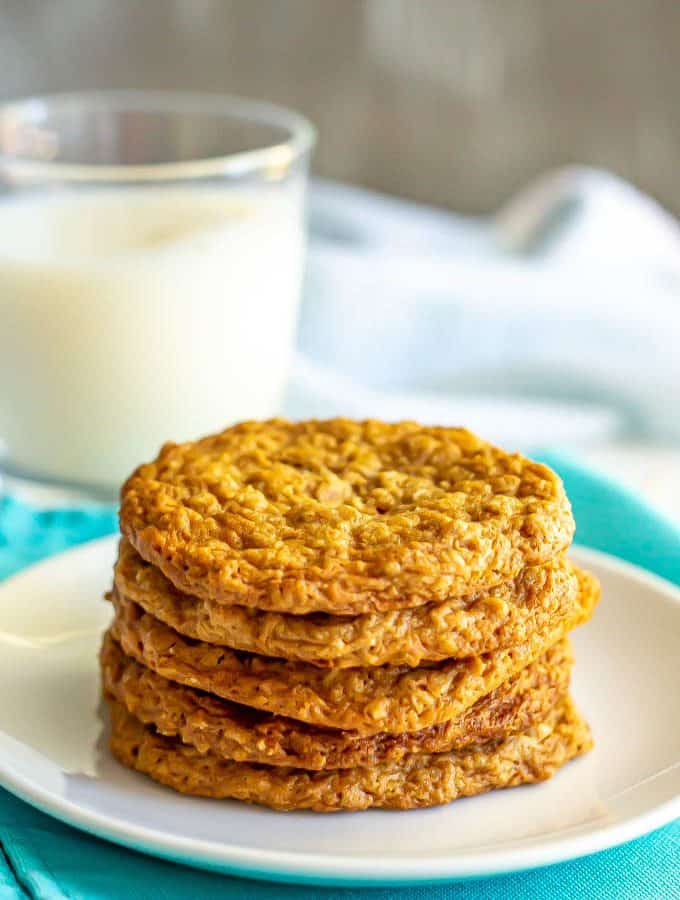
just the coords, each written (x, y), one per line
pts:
(556, 320)
(41, 858)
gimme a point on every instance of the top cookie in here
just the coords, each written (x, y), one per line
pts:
(342, 516)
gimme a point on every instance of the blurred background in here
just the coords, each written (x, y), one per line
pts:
(455, 103)
(524, 276)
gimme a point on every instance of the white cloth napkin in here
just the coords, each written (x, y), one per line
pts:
(555, 321)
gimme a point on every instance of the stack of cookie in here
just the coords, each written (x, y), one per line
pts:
(339, 615)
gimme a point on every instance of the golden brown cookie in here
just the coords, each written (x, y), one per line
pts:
(248, 735)
(498, 617)
(418, 780)
(342, 516)
(366, 700)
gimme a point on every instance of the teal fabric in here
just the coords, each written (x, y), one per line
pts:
(28, 535)
(41, 858)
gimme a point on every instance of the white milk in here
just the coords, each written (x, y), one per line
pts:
(130, 318)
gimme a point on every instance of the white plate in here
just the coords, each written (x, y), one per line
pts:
(53, 754)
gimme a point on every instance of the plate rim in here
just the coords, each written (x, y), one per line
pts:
(341, 871)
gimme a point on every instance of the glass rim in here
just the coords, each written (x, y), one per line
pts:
(281, 155)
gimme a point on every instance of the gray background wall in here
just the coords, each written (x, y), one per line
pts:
(452, 102)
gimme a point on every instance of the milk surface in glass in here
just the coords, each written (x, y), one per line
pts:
(134, 316)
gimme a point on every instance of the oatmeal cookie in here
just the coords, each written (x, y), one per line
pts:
(367, 700)
(342, 516)
(418, 780)
(498, 617)
(243, 734)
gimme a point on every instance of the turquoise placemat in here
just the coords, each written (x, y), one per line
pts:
(41, 858)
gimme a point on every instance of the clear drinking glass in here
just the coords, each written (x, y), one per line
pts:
(151, 252)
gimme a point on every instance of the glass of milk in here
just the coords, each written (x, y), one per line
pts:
(151, 253)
